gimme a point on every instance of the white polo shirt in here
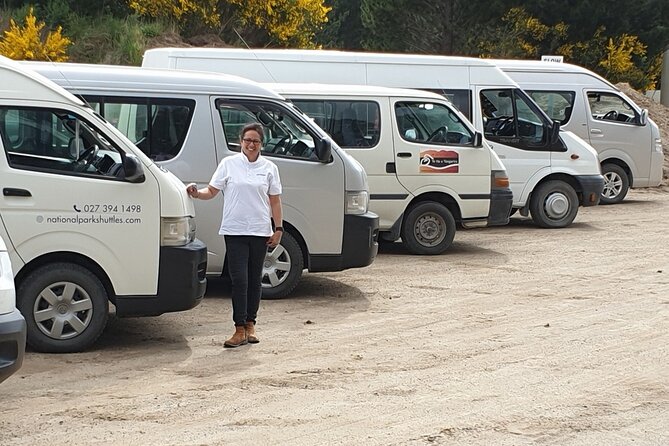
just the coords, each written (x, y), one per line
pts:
(246, 188)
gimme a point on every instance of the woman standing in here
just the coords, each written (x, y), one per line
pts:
(252, 190)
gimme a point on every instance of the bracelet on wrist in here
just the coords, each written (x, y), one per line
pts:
(278, 229)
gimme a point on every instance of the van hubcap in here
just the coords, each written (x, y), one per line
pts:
(276, 267)
(430, 229)
(63, 310)
(557, 205)
(613, 185)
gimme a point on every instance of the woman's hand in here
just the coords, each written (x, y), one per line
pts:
(274, 239)
(192, 191)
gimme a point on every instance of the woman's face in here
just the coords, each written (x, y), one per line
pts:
(251, 144)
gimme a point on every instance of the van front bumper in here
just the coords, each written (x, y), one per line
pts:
(181, 283)
(12, 343)
(360, 245)
(501, 202)
(591, 187)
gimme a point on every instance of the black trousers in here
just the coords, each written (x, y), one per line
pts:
(245, 257)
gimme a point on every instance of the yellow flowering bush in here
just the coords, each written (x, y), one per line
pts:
(25, 42)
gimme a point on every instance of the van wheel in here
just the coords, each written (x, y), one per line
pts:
(65, 307)
(282, 268)
(554, 204)
(616, 184)
(428, 229)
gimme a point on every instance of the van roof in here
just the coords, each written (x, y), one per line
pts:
(137, 79)
(348, 90)
(17, 80)
(529, 66)
(315, 55)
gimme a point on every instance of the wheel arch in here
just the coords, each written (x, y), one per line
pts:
(67, 257)
(622, 164)
(438, 197)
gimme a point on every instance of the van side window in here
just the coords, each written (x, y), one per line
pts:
(431, 123)
(352, 124)
(611, 107)
(158, 126)
(284, 134)
(461, 99)
(56, 141)
(510, 118)
(558, 105)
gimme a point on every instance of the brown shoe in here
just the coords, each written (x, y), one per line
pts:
(251, 333)
(237, 339)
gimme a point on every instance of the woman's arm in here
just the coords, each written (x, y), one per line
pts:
(277, 216)
(206, 193)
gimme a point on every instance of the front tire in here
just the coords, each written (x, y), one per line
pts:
(616, 184)
(282, 269)
(428, 229)
(65, 306)
(554, 204)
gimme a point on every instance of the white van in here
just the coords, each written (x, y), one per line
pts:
(628, 142)
(551, 171)
(427, 166)
(188, 122)
(12, 323)
(87, 218)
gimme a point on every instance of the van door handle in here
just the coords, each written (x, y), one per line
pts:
(595, 131)
(13, 192)
(404, 155)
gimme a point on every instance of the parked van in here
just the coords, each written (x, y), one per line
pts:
(551, 171)
(427, 167)
(12, 323)
(628, 142)
(188, 122)
(88, 219)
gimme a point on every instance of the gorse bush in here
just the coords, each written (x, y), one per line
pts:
(26, 42)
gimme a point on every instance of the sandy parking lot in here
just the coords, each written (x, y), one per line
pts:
(517, 336)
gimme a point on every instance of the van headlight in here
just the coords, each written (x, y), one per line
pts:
(176, 231)
(658, 145)
(356, 202)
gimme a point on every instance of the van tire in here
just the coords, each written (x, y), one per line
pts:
(81, 325)
(428, 229)
(616, 184)
(554, 204)
(288, 252)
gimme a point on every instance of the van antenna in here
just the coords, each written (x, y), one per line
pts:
(81, 98)
(254, 54)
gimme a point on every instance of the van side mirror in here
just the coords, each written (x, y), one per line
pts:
(133, 171)
(478, 139)
(643, 120)
(323, 148)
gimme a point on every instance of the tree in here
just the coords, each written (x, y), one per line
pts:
(32, 42)
(258, 22)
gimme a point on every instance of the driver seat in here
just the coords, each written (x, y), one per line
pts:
(75, 147)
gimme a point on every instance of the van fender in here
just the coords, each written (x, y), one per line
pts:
(438, 193)
(620, 157)
(123, 282)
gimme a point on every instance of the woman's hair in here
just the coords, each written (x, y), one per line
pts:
(252, 126)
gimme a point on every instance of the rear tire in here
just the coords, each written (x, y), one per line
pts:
(616, 184)
(65, 306)
(554, 204)
(428, 229)
(282, 269)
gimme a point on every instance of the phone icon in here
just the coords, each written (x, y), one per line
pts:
(75, 208)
